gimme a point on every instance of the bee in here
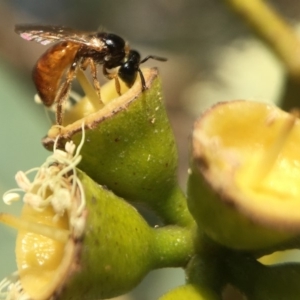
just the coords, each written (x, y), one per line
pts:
(56, 68)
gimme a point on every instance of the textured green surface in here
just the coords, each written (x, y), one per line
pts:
(132, 151)
(116, 251)
(119, 248)
(223, 223)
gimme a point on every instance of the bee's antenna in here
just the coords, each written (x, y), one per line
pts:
(153, 57)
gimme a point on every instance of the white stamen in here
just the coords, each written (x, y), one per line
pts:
(61, 206)
(10, 198)
(22, 180)
(70, 147)
(52, 184)
(11, 289)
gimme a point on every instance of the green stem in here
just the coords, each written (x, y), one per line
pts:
(241, 270)
(174, 210)
(272, 29)
(206, 268)
(173, 246)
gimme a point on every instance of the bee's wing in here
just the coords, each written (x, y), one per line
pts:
(51, 34)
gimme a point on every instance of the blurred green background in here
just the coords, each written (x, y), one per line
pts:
(213, 56)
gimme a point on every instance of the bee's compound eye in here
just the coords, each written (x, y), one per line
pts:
(115, 49)
(114, 42)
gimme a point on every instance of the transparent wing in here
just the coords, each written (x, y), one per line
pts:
(52, 34)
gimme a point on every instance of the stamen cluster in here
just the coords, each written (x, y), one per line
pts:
(57, 185)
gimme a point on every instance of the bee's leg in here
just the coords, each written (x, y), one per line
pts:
(144, 87)
(84, 63)
(115, 77)
(93, 66)
(64, 90)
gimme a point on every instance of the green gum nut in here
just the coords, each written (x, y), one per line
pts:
(130, 147)
(115, 253)
(99, 248)
(243, 186)
(119, 248)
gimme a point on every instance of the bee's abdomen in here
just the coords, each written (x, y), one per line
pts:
(51, 67)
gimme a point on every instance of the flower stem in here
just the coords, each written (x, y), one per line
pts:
(173, 210)
(173, 246)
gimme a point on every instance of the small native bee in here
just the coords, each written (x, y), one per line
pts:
(79, 49)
